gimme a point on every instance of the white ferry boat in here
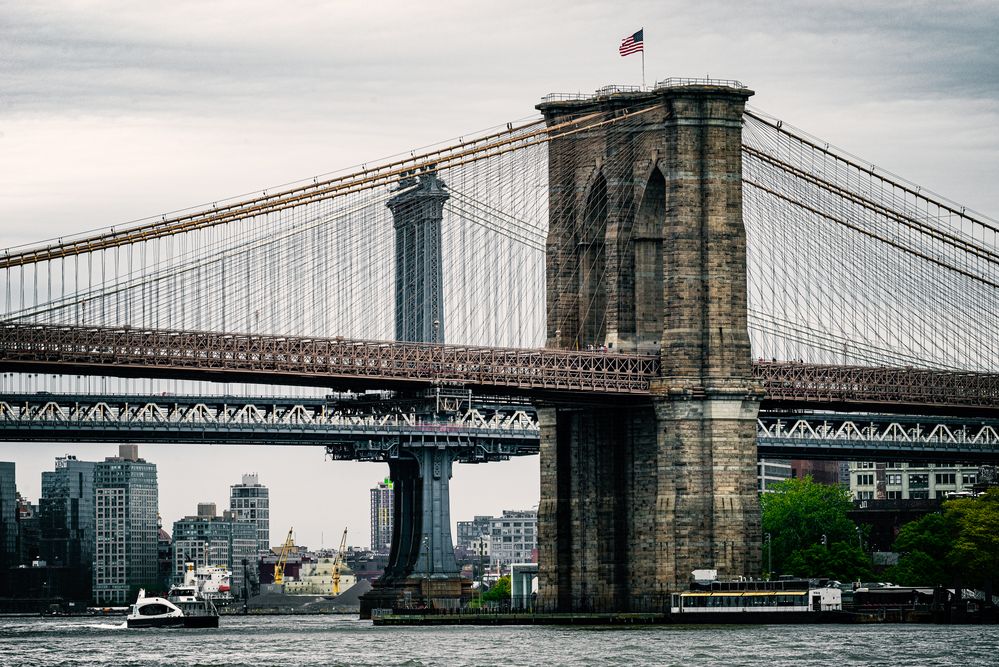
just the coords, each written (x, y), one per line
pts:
(183, 607)
(711, 600)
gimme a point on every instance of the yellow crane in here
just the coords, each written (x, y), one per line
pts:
(283, 558)
(338, 563)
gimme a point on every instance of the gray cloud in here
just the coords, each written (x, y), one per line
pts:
(324, 55)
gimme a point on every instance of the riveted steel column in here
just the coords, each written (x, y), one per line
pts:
(435, 551)
(418, 211)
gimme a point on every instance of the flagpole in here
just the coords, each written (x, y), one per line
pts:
(643, 65)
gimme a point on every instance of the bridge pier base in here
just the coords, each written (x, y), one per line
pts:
(633, 499)
(422, 570)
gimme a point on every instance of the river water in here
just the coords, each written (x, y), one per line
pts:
(331, 640)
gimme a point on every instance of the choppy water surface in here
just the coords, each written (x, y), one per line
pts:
(324, 640)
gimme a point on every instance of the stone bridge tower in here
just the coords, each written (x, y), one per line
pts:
(647, 253)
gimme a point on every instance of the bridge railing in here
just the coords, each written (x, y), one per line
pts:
(336, 361)
(674, 81)
(670, 82)
(321, 359)
(809, 383)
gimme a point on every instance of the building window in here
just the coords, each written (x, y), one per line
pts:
(865, 495)
(865, 480)
(895, 478)
(968, 478)
(919, 481)
(893, 495)
(945, 478)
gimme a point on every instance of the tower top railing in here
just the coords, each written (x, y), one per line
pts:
(670, 82)
(676, 81)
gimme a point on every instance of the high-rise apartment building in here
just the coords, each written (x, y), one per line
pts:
(207, 539)
(250, 502)
(125, 511)
(382, 513)
(8, 516)
(29, 533)
(513, 537)
(66, 520)
(66, 513)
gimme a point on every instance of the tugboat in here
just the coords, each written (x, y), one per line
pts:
(183, 607)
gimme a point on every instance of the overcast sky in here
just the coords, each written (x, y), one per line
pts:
(113, 111)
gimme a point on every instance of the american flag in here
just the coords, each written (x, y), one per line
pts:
(632, 43)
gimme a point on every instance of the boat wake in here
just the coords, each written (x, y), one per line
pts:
(110, 626)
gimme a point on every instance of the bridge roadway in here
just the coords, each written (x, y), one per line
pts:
(357, 427)
(539, 373)
(372, 427)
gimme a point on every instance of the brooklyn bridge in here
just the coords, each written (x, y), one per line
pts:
(647, 286)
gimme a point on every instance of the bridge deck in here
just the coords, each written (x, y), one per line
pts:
(369, 430)
(541, 373)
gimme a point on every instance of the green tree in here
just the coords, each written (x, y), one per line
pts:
(924, 548)
(975, 554)
(958, 545)
(499, 591)
(810, 532)
(843, 561)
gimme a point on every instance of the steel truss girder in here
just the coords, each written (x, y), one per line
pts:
(539, 372)
(891, 390)
(320, 361)
(380, 430)
(867, 437)
(362, 430)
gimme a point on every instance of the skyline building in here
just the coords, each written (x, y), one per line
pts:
(471, 532)
(250, 502)
(211, 540)
(897, 480)
(164, 556)
(125, 526)
(770, 472)
(66, 514)
(382, 514)
(29, 532)
(513, 537)
(8, 516)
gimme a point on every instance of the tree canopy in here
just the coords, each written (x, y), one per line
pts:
(499, 591)
(958, 545)
(810, 534)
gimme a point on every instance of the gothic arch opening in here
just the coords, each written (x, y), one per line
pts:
(592, 266)
(646, 325)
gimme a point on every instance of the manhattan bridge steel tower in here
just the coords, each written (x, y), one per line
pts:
(421, 560)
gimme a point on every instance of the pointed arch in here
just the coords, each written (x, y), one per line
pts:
(645, 319)
(592, 263)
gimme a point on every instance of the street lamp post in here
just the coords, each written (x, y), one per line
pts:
(770, 558)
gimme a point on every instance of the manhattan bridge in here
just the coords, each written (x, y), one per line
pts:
(649, 287)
